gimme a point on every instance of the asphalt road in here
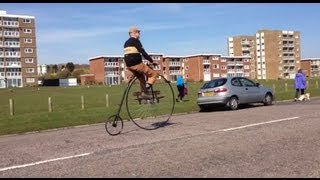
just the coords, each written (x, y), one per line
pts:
(282, 140)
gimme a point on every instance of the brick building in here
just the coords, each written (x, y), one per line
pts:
(18, 52)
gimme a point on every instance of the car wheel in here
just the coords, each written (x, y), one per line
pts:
(233, 103)
(267, 99)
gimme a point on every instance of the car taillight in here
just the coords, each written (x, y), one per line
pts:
(220, 90)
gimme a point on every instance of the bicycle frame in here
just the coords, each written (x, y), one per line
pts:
(125, 93)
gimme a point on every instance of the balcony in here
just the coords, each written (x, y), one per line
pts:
(207, 70)
(2, 64)
(246, 42)
(288, 52)
(245, 49)
(288, 64)
(112, 64)
(13, 64)
(175, 64)
(1, 54)
(315, 63)
(10, 23)
(11, 34)
(112, 73)
(288, 57)
(206, 61)
(288, 45)
(315, 69)
(175, 72)
(11, 44)
(14, 74)
(12, 54)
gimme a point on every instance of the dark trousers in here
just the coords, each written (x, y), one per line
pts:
(298, 91)
(181, 91)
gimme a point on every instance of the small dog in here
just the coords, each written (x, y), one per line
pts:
(304, 97)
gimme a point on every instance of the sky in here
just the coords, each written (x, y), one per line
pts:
(74, 32)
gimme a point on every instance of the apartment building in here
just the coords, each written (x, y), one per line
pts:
(243, 46)
(18, 53)
(173, 66)
(275, 54)
(205, 67)
(311, 66)
(111, 70)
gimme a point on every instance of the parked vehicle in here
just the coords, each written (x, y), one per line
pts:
(233, 91)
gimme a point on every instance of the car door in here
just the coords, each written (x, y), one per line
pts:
(239, 90)
(251, 90)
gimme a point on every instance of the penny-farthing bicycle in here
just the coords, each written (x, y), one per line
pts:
(148, 113)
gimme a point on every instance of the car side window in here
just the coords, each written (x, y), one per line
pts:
(247, 82)
(235, 82)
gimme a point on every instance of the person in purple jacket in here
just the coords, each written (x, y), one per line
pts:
(300, 84)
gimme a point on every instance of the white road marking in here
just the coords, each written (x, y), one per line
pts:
(42, 162)
(256, 124)
(86, 154)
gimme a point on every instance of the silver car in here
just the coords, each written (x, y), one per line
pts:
(231, 92)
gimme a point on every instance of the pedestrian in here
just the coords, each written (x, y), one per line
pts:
(300, 84)
(180, 87)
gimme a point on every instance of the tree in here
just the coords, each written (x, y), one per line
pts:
(48, 69)
(64, 74)
(77, 72)
(70, 66)
(55, 68)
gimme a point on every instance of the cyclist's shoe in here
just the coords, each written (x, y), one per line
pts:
(148, 86)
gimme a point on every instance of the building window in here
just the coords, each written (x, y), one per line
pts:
(216, 66)
(30, 80)
(223, 60)
(30, 70)
(187, 67)
(28, 50)
(28, 40)
(27, 30)
(246, 67)
(29, 60)
(26, 20)
(187, 76)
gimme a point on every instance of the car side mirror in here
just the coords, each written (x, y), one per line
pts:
(257, 84)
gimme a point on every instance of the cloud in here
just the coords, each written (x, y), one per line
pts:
(68, 35)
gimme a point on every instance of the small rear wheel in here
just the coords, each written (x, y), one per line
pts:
(114, 125)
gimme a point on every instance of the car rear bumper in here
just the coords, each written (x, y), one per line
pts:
(212, 100)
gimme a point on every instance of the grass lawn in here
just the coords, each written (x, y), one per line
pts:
(31, 104)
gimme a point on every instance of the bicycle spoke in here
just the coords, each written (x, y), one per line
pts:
(150, 115)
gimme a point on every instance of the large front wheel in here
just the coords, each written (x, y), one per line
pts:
(153, 111)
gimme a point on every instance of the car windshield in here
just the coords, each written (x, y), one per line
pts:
(214, 83)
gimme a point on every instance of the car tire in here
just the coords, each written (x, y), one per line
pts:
(233, 103)
(267, 101)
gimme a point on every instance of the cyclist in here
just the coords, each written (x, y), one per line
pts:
(133, 59)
